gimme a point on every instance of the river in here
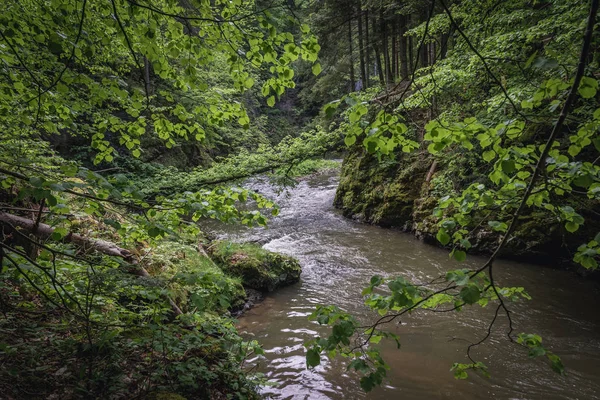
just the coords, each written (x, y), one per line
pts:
(339, 256)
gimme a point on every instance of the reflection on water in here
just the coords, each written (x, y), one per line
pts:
(339, 256)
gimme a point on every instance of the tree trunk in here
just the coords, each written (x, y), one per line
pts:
(367, 45)
(352, 80)
(386, 51)
(433, 108)
(444, 45)
(424, 51)
(411, 59)
(394, 50)
(377, 52)
(147, 85)
(404, 67)
(424, 55)
(361, 52)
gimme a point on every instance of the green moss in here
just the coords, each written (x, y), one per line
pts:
(195, 279)
(258, 268)
(381, 193)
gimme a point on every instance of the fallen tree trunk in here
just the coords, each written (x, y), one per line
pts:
(44, 231)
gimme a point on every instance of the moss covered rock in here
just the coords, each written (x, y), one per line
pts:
(380, 192)
(258, 268)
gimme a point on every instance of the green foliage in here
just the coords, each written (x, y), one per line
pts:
(142, 71)
(379, 132)
(588, 254)
(512, 165)
(534, 344)
(289, 152)
(486, 111)
(369, 363)
(128, 78)
(460, 369)
(99, 319)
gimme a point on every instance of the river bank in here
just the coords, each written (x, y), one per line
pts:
(404, 194)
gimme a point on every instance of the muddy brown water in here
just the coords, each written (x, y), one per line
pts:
(339, 256)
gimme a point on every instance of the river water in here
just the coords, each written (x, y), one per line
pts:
(339, 256)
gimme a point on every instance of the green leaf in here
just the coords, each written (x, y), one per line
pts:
(571, 226)
(459, 276)
(359, 365)
(59, 233)
(596, 143)
(349, 140)
(330, 109)
(448, 224)
(459, 255)
(313, 358)
(530, 59)
(375, 339)
(460, 375)
(587, 92)
(470, 294)
(527, 104)
(443, 237)
(574, 150)
(36, 181)
(508, 166)
(52, 201)
(498, 226)
(465, 243)
(556, 363)
(316, 68)
(271, 101)
(154, 232)
(537, 351)
(489, 155)
(588, 87)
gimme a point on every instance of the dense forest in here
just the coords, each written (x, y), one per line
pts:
(131, 127)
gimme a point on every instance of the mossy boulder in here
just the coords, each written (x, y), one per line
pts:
(380, 192)
(258, 268)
